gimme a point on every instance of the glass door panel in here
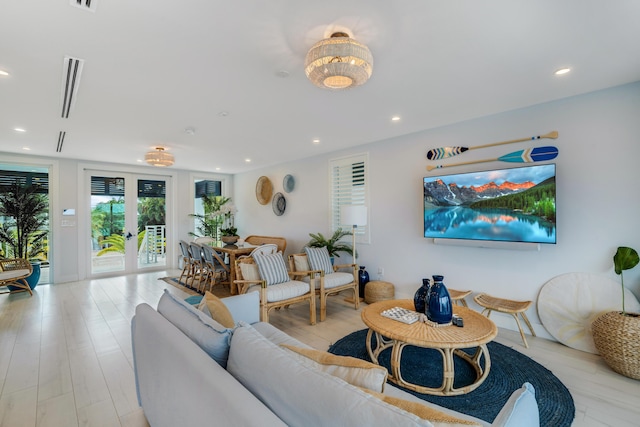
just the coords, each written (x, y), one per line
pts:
(152, 237)
(108, 241)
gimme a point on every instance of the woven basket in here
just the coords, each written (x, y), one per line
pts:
(617, 338)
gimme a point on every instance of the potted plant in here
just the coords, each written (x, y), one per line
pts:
(333, 244)
(218, 220)
(24, 231)
(616, 334)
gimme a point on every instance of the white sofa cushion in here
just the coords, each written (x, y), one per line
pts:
(302, 396)
(208, 334)
(521, 410)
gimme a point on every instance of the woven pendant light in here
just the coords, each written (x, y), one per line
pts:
(338, 62)
(159, 157)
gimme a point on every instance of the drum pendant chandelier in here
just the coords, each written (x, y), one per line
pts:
(159, 157)
(338, 62)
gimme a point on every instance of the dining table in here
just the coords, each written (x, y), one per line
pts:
(233, 252)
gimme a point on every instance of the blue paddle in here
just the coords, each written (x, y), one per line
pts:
(529, 155)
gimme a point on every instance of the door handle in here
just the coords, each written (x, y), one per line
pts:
(128, 236)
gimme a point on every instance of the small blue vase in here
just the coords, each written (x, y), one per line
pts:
(363, 279)
(420, 297)
(439, 303)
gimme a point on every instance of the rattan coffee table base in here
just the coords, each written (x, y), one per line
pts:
(449, 341)
(447, 388)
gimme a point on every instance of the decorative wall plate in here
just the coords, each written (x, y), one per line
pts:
(279, 204)
(264, 190)
(288, 183)
(569, 303)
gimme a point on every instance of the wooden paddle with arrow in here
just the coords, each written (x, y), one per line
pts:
(444, 152)
(530, 155)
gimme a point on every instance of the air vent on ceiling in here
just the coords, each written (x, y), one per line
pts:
(89, 5)
(71, 70)
(61, 136)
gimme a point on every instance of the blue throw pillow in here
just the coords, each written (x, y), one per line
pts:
(272, 268)
(319, 259)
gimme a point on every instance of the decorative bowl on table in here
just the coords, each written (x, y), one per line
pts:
(229, 240)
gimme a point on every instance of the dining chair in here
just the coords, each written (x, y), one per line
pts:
(281, 242)
(287, 291)
(329, 279)
(198, 272)
(268, 248)
(187, 266)
(216, 271)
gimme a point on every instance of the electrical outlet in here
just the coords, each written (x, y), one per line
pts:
(380, 270)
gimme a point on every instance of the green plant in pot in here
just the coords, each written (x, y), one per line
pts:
(616, 334)
(333, 243)
(24, 231)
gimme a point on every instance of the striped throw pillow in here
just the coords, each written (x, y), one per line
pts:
(319, 259)
(272, 268)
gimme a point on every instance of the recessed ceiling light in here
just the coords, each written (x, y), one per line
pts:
(562, 71)
(316, 141)
(190, 131)
(283, 74)
(217, 169)
(395, 118)
(247, 160)
(26, 148)
(223, 113)
(139, 161)
(19, 130)
(3, 73)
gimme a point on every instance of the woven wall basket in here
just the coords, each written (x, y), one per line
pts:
(617, 338)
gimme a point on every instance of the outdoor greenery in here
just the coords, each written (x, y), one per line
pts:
(23, 233)
(116, 243)
(217, 219)
(333, 244)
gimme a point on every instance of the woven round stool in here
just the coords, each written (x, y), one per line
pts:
(378, 290)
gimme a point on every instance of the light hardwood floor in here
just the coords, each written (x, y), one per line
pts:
(65, 356)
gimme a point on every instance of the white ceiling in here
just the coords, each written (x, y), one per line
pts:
(154, 68)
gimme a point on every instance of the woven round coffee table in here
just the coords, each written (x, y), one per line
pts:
(477, 331)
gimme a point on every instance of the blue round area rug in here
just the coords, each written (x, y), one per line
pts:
(509, 370)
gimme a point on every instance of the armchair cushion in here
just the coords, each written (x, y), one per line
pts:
(283, 291)
(301, 263)
(357, 372)
(272, 268)
(250, 271)
(336, 279)
(319, 259)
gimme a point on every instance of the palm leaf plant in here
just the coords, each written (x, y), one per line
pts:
(333, 243)
(25, 228)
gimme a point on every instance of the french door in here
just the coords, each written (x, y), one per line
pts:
(128, 223)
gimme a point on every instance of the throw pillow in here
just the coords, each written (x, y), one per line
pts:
(217, 310)
(319, 259)
(249, 271)
(437, 418)
(210, 336)
(301, 262)
(520, 410)
(272, 268)
(355, 371)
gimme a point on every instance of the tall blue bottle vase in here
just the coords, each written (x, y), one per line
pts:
(420, 297)
(363, 279)
(439, 302)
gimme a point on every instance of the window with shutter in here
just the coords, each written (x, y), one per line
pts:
(349, 186)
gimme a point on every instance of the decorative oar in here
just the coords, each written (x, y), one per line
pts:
(530, 155)
(443, 152)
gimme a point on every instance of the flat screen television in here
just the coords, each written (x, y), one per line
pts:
(508, 205)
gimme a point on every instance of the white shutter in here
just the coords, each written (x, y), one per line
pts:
(349, 186)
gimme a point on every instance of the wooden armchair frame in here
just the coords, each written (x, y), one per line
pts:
(323, 292)
(266, 306)
(13, 272)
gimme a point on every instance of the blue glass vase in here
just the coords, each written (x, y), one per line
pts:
(420, 297)
(439, 302)
(363, 279)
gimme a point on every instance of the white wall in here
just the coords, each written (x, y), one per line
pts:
(597, 199)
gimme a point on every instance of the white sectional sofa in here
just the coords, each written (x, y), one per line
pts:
(191, 371)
